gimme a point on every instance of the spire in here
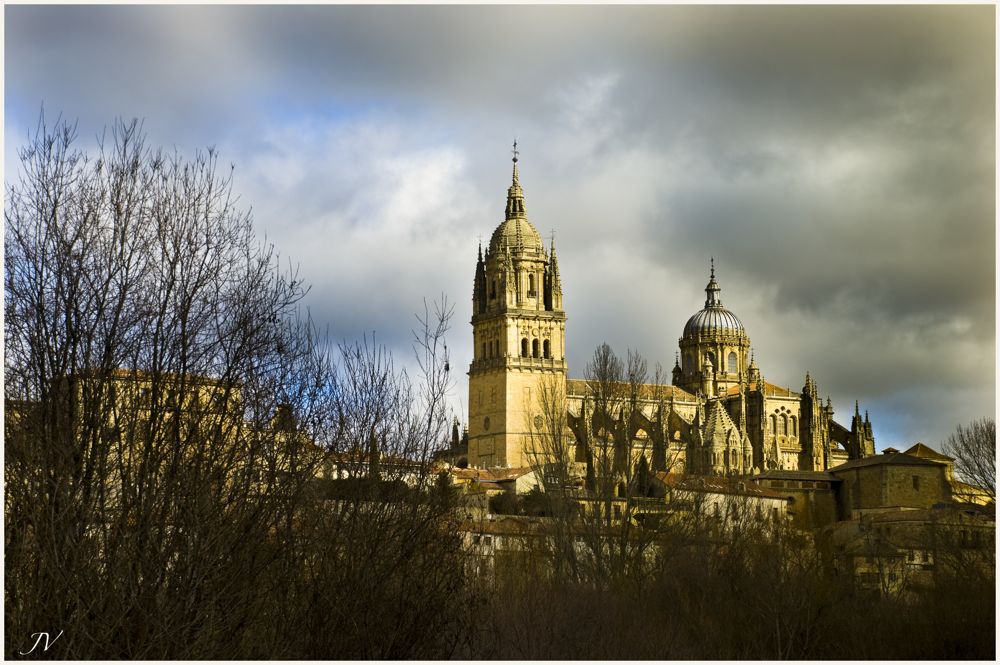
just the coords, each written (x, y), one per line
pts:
(515, 195)
(480, 253)
(677, 359)
(554, 265)
(857, 412)
(712, 290)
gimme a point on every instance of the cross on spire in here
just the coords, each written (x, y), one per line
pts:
(515, 151)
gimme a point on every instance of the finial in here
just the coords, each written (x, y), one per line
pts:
(514, 177)
(856, 411)
(713, 268)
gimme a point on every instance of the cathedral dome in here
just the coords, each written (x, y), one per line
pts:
(714, 318)
(516, 233)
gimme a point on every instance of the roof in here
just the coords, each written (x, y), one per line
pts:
(900, 459)
(650, 391)
(713, 319)
(717, 485)
(509, 474)
(926, 452)
(778, 474)
(491, 475)
(939, 512)
(718, 423)
(356, 456)
(516, 234)
(144, 375)
(770, 390)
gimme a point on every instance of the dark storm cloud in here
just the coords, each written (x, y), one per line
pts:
(837, 161)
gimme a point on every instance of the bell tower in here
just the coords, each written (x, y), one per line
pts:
(518, 329)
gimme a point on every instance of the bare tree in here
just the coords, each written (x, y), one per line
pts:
(170, 415)
(594, 521)
(974, 447)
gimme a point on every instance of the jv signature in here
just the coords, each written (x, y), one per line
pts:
(38, 640)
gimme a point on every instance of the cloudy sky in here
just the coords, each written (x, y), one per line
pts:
(838, 163)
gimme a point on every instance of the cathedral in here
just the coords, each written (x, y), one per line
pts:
(719, 416)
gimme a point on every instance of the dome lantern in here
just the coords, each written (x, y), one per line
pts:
(714, 318)
(516, 233)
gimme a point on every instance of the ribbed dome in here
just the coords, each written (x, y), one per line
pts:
(515, 234)
(714, 318)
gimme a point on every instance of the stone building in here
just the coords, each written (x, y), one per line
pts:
(719, 416)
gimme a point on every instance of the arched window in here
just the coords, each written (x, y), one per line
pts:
(795, 426)
(531, 285)
(546, 349)
(534, 348)
(774, 424)
(493, 289)
(732, 363)
(784, 424)
(483, 350)
(524, 347)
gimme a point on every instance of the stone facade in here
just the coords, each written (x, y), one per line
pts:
(720, 416)
(892, 479)
(518, 334)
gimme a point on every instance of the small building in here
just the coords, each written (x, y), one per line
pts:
(728, 501)
(890, 480)
(960, 491)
